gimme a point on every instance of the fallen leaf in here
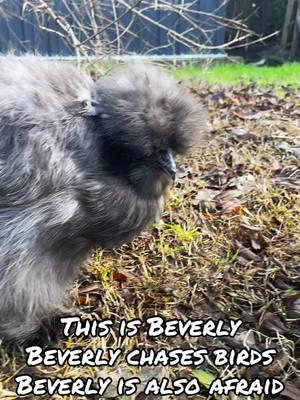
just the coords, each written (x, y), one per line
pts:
(291, 390)
(94, 288)
(276, 166)
(119, 276)
(288, 182)
(229, 201)
(87, 300)
(245, 183)
(246, 339)
(279, 363)
(249, 116)
(232, 206)
(273, 323)
(206, 195)
(293, 310)
(244, 252)
(205, 198)
(257, 241)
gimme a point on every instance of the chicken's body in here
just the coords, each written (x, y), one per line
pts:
(76, 170)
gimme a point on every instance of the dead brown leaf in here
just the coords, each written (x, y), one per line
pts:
(245, 252)
(273, 323)
(292, 390)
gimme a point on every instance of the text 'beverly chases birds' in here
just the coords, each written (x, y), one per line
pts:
(153, 327)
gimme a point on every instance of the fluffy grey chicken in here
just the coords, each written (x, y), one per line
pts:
(82, 164)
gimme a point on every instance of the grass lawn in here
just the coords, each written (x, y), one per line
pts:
(228, 246)
(232, 74)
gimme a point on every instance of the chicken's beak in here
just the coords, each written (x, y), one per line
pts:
(166, 162)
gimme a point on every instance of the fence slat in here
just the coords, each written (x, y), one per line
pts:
(20, 33)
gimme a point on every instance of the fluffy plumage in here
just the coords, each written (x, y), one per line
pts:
(82, 164)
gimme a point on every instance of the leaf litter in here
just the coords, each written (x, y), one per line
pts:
(228, 246)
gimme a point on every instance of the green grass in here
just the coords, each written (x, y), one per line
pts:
(233, 74)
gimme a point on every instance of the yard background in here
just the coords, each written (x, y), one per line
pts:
(228, 245)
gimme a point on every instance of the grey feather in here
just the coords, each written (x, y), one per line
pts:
(77, 171)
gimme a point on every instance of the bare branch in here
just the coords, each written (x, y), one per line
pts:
(99, 28)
